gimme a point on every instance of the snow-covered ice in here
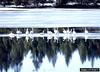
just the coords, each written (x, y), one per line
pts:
(43, 18)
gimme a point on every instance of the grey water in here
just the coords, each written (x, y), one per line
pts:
(37, 53)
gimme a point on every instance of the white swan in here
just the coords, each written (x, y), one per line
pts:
(74, 31)
(86, 31)
(31, 36)
(49, 32)
(32, 31)
(27, 37)
(11, 34)
(68, 30)
(64, 31)
(56, 31)
(18, 31)
(27, 32)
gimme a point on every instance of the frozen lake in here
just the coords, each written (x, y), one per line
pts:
(48, 18)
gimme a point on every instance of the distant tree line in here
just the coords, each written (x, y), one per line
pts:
(55, 3)
(25, 3)
(78, 2)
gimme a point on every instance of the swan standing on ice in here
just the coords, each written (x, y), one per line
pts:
(69, 31)
(31, 36)
(27, 32)
(56, 31)
(18, 31)
(11, 35)
(32, 31)
(74, 31)
(86, 37)
(56, 34)
(86, 31)
(64, 37)
(42, 34)
(64, 31)
(27, 37)
(74, 37)
(49, 33)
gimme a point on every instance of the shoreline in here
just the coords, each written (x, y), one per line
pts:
(61, 7)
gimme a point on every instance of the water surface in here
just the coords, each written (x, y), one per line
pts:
(39, 54)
